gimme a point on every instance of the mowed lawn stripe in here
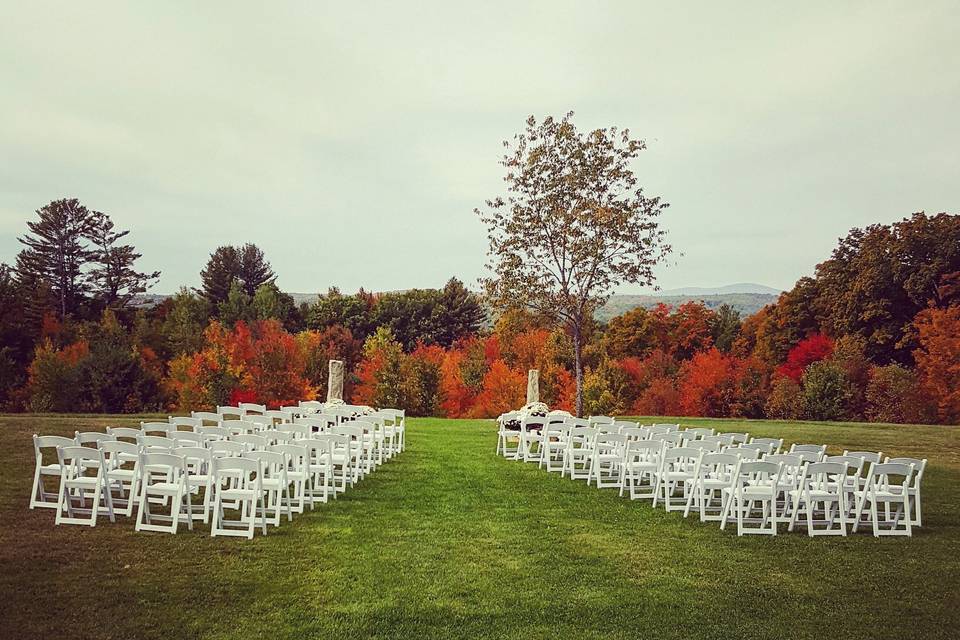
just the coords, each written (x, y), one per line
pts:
(448, 540)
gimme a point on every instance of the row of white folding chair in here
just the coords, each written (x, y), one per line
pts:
(799, 479)
(594, 455)
(314, 480)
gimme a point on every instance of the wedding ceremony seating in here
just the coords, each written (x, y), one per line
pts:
(240, 469)
(754, 482)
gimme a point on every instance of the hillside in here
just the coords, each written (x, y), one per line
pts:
(745, 303)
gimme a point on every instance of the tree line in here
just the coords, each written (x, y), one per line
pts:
(873, 335)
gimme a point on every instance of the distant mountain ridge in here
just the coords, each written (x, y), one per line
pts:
(744, 303)
(740, 287)
(746, 298)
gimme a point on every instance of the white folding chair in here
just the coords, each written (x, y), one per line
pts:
(555, 435)
(400, 426)
(776, 444)
(122, 461)
(530, 436)
(578, 458)
(854, 480)
(76, 486)
(157, 444)
(755, 486)
(238, 481)
(669, 439)
(275, 484)
(126, 434)
(296, 429)
(39, 496)
(883, 487)
(209, 434)
(254, 442)
(608, 458)
(748, 452)
(822, 483)
(251, 408)
(713, 474)
(736, 437)
(820, 449)
(791, 472)
(227, 413)
(321, 459)
(677, 466)
(625, 424)
(161, 429)
(641, 462)
(187, 438)
(507, 435)
(239, 427)
(163, 479)
(356, 451)
(188, 424)
(689, 435)
(919, 466)
(207, 417)
(297, 461)
(197, 461)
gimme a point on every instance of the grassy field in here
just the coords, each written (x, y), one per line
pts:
(449, 540)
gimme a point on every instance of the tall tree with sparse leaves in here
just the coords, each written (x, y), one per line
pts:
(114, 277)
(574, 225)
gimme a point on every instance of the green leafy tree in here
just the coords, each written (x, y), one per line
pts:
(574, 225)
(58, 251)
(826, 391)
(269, 302)
(725, 327)
(247, 265)
(238, 306)
(631, 334)
(880, 277)
(113, 379)
(187, 316)
(460, 313)
(355, 313)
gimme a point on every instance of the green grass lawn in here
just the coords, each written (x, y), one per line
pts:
(449, 540)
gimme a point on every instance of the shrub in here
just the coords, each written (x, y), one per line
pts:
(785, 401)
(894, 395)
(826, 391)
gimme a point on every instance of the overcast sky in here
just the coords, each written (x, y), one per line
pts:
(351, 141)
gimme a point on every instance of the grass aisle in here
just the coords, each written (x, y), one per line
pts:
(450, 541)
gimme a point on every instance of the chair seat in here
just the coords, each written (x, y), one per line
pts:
(82, 481)
(816, 494)
(169, 488)
(880, 495)
(238, 494)
(50, 469)
(642, 466)
(120, 474)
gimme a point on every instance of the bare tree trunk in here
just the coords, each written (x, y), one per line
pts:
(578, 370)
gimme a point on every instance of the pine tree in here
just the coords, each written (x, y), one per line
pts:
(245, 264)
(58, 250)
(115, 279)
